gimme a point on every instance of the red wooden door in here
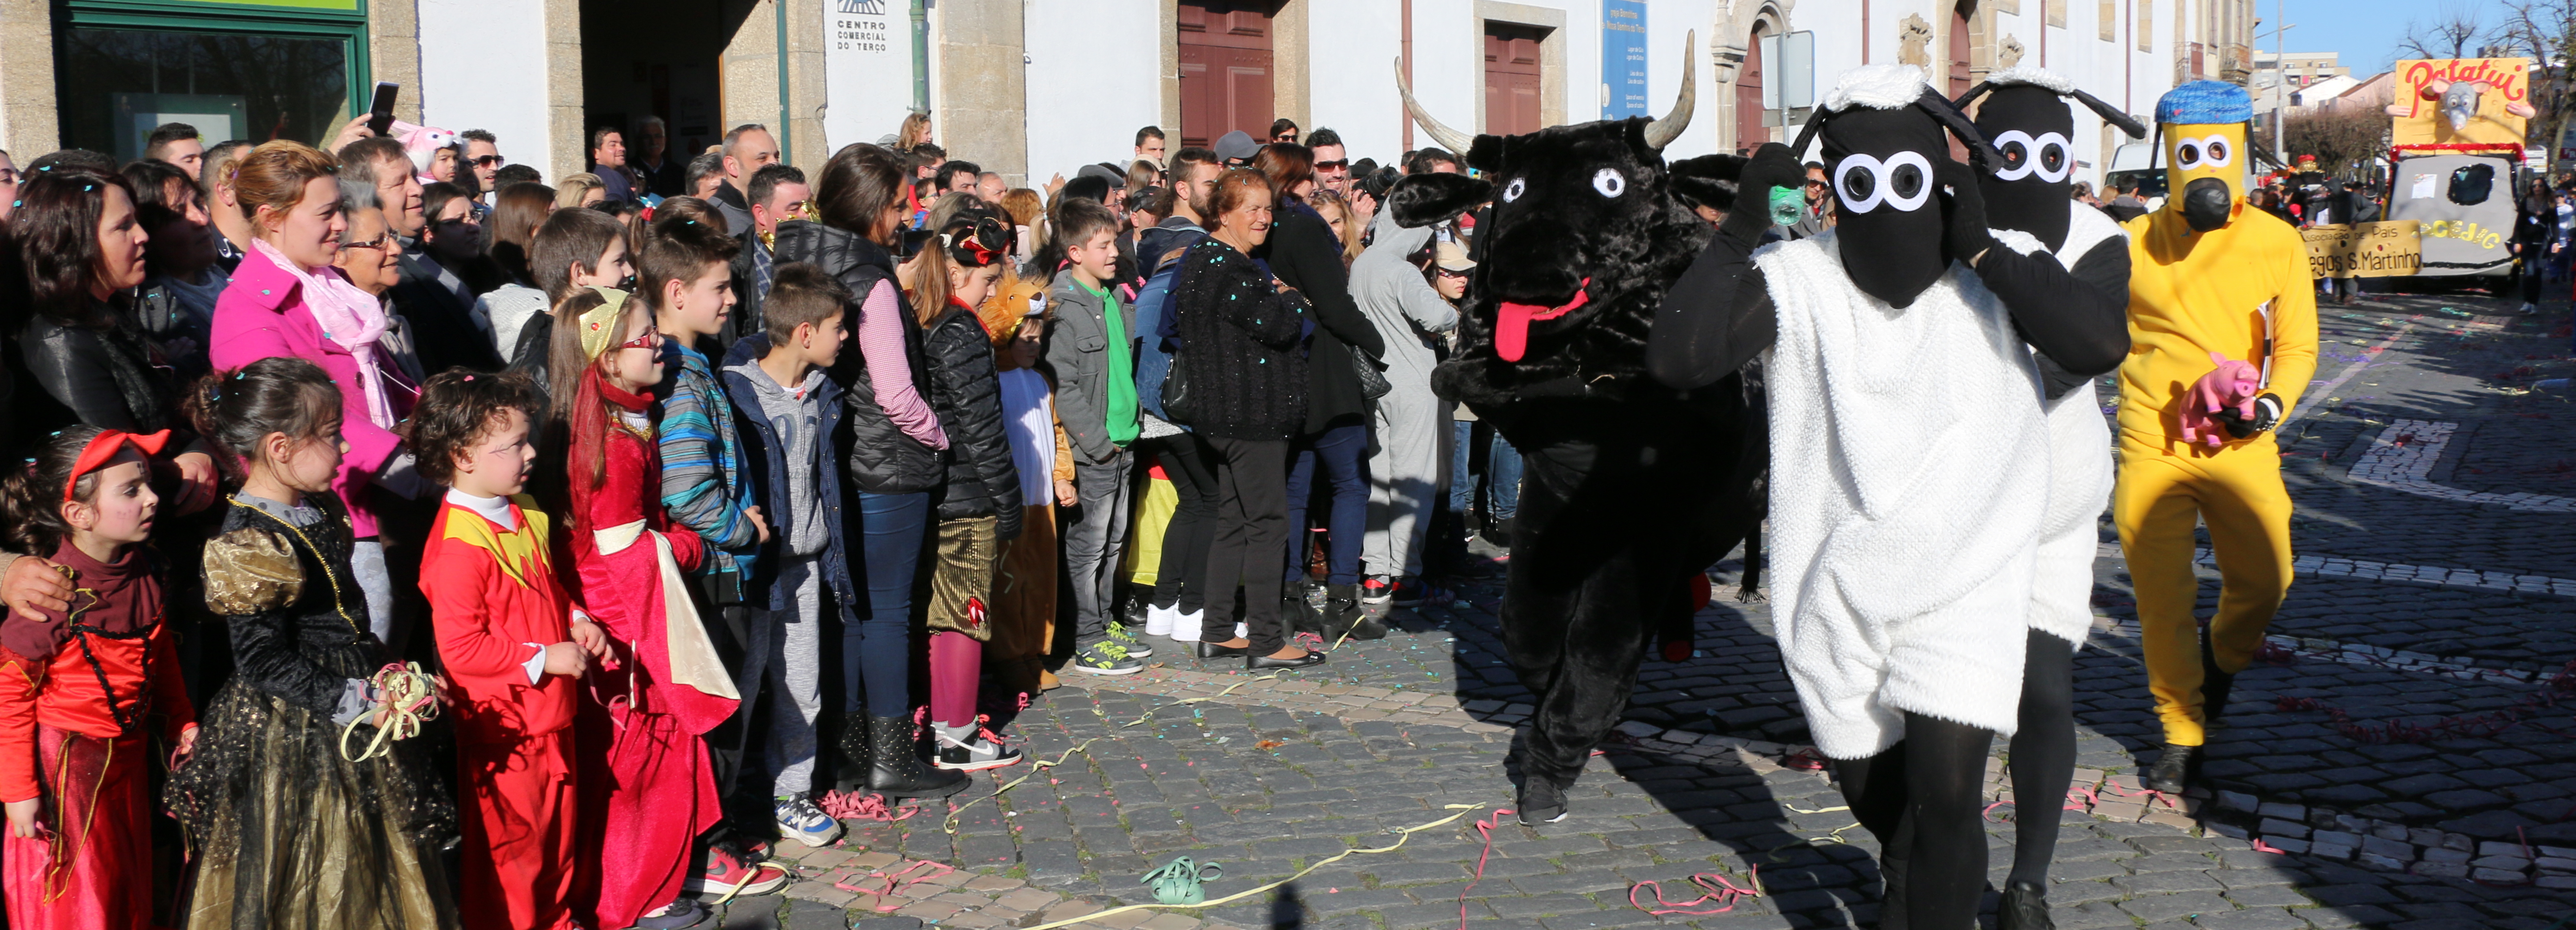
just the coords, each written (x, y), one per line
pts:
(1511, 78)
(1225, 69)
(1749, 131)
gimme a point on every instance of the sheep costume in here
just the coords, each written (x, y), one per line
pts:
(1910, 461)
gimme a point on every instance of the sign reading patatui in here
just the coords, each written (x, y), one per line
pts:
(2363, 250)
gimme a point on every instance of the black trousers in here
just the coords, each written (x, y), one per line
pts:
(1251, 537)
(1181, 581)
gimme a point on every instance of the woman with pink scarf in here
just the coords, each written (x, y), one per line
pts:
(286, 299)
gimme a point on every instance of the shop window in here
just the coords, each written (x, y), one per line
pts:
(115, 85)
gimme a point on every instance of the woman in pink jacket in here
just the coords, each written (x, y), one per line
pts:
(286, 299)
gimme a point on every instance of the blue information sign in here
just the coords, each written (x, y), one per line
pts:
(1623, 58)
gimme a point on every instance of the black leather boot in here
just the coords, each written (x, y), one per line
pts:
(2024, 907)
(2214, 685)
(2171, 769)
(1342, 614)
(850, 751)
(1297, 609)
(895, 768)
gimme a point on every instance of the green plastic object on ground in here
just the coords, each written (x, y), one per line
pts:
(1177, 882)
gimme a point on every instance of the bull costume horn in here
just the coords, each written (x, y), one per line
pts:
(1659, 133)
(1451, 139)
(1668, 127)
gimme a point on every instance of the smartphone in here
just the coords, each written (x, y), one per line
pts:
(380, 114)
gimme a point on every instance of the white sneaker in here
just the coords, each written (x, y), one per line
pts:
(1185, 626)
(1158, 620)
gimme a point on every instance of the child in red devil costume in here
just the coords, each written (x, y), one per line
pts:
(513, 646)
(83, 693)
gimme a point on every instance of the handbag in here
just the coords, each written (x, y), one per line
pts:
(1180, 404)
(1373, 383)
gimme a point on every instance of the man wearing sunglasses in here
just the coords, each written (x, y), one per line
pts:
(483, 157)
(1332, 161)
(1820, 204)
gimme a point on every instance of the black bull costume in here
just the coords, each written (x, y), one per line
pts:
(1629, 489)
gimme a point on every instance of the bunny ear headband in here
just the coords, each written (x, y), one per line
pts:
(1893, 87)
(2053, 82)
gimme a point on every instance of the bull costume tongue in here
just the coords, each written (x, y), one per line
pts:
(1511, 322)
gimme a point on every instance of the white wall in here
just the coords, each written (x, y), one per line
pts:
(483, 66)
(1448, 67)
(1666, 26)
(1095, 76)
(1353, 55)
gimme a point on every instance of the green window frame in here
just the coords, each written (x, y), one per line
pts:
(345, 20)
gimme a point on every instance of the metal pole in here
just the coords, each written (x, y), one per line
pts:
(2281, 81)
(921, 56)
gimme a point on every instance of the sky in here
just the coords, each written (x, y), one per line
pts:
(2364, 32)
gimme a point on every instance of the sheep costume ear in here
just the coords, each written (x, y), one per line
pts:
(2058, 84)
(1889, 87)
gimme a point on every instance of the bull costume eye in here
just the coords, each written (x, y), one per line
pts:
(1513, 192)
(1609, 182)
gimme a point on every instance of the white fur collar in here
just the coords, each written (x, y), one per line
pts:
(1878, 87)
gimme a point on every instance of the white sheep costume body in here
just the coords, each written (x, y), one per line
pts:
(1910, 474)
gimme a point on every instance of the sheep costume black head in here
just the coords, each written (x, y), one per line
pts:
(1585, 233)
(1887, 160)
(2027, 118)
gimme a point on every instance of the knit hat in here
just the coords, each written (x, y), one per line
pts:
(2203, 103)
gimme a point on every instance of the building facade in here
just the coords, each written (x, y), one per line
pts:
(1031, 88)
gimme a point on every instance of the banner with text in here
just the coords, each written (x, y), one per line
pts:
(2364, 250)
(1623, 58)
(867, 70)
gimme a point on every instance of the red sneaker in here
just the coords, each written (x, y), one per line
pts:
(726, 875)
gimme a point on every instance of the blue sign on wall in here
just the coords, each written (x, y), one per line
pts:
(1623, 58)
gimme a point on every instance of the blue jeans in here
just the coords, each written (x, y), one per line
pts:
(1342, 450)
(1502, 475)
(876, 652)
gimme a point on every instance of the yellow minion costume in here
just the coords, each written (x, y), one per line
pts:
(2222, 318)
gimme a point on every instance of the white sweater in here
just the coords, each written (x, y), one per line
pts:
(2079, 468)
(1909, 475)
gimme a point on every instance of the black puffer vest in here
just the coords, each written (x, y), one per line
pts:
(882, 459)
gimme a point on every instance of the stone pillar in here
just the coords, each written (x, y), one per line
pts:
(393, 53)
(567, 152)
(1292, 87)
(28, 125)
(749, 75)
(983, 113)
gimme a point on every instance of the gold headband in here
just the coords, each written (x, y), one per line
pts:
(599, 328)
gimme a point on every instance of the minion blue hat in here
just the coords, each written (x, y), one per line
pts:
(2203, 103)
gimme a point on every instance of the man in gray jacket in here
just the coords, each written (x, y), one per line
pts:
(1411, 423)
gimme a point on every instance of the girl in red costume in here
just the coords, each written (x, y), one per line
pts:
(83, 692)
(646, 790)
(512, 641)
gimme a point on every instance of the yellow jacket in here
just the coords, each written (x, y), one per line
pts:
(2191, 294)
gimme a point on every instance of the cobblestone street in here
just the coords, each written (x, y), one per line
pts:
(2402, 755)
